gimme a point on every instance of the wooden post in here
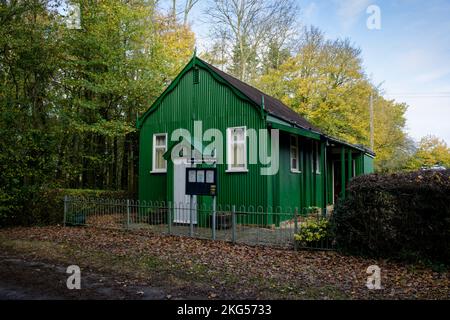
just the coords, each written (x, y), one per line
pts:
(191, 215)
(371, 122)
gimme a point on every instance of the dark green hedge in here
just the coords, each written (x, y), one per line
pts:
(403, 216)
(46, 206)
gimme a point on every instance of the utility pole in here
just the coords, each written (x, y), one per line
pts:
(371, 121)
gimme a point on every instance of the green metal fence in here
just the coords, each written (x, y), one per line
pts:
(252, 225)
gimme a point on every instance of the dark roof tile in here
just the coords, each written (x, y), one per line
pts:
(272, 105)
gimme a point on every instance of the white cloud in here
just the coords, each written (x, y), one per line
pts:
(349, 11)
(428, 116)
(423, 66)
(436, 74)
(310, 10)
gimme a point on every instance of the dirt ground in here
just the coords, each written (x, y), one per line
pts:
(35, 280)
(139, 265)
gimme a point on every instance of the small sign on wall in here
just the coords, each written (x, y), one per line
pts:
(201, 181)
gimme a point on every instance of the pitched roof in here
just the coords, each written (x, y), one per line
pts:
(272, 105)
(277, 108)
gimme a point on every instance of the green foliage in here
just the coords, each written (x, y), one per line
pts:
(313, 230)
(400, 216)
(69, 98)
(325, 82)
(312, 210)
(46, 206)
(430, 151)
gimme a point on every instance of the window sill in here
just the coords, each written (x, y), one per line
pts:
(295, 171)
(236, 170)
(158, 171)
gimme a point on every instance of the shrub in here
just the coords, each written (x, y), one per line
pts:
(46, 206)
(403, 216)
(312, 231)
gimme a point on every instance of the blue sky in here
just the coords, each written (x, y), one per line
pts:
(409, 55)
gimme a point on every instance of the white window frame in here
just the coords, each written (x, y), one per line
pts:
(315, 158)
(229, 151)
(154, 147)
(294, 170)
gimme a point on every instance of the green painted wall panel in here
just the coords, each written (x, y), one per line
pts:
(289, 191)
(217, 107)
(368, 164)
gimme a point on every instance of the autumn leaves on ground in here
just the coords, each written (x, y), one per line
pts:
(185, 268)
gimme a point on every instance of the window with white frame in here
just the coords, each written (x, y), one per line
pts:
(295, 167)
(159, 148)
(237, 149)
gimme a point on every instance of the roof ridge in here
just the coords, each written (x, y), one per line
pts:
(243, 82)
(273, 106)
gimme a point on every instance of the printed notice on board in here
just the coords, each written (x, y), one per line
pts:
(191, 176)
(209, 176)
(201, 176)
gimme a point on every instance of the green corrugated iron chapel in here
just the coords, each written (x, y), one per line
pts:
(314, 168)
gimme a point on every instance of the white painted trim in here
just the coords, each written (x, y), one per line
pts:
(317, 157)
(298, 170)
(159, 171)
(229, 168)
(236, 170)
(182, 207)
(154, 170)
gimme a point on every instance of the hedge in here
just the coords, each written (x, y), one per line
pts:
(402, 216)
(46, 206)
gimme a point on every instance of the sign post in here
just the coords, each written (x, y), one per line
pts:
(191, 215)
(202, 182)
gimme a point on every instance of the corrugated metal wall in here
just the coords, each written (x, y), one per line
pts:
(217, 107)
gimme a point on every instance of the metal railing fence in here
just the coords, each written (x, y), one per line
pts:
(253, 225)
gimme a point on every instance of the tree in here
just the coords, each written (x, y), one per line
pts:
(124, 56)
(430, 151)
(69, 97)
(393, 147)
(30, 58)
(249, 26)
(188, 6)
(325, 82)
